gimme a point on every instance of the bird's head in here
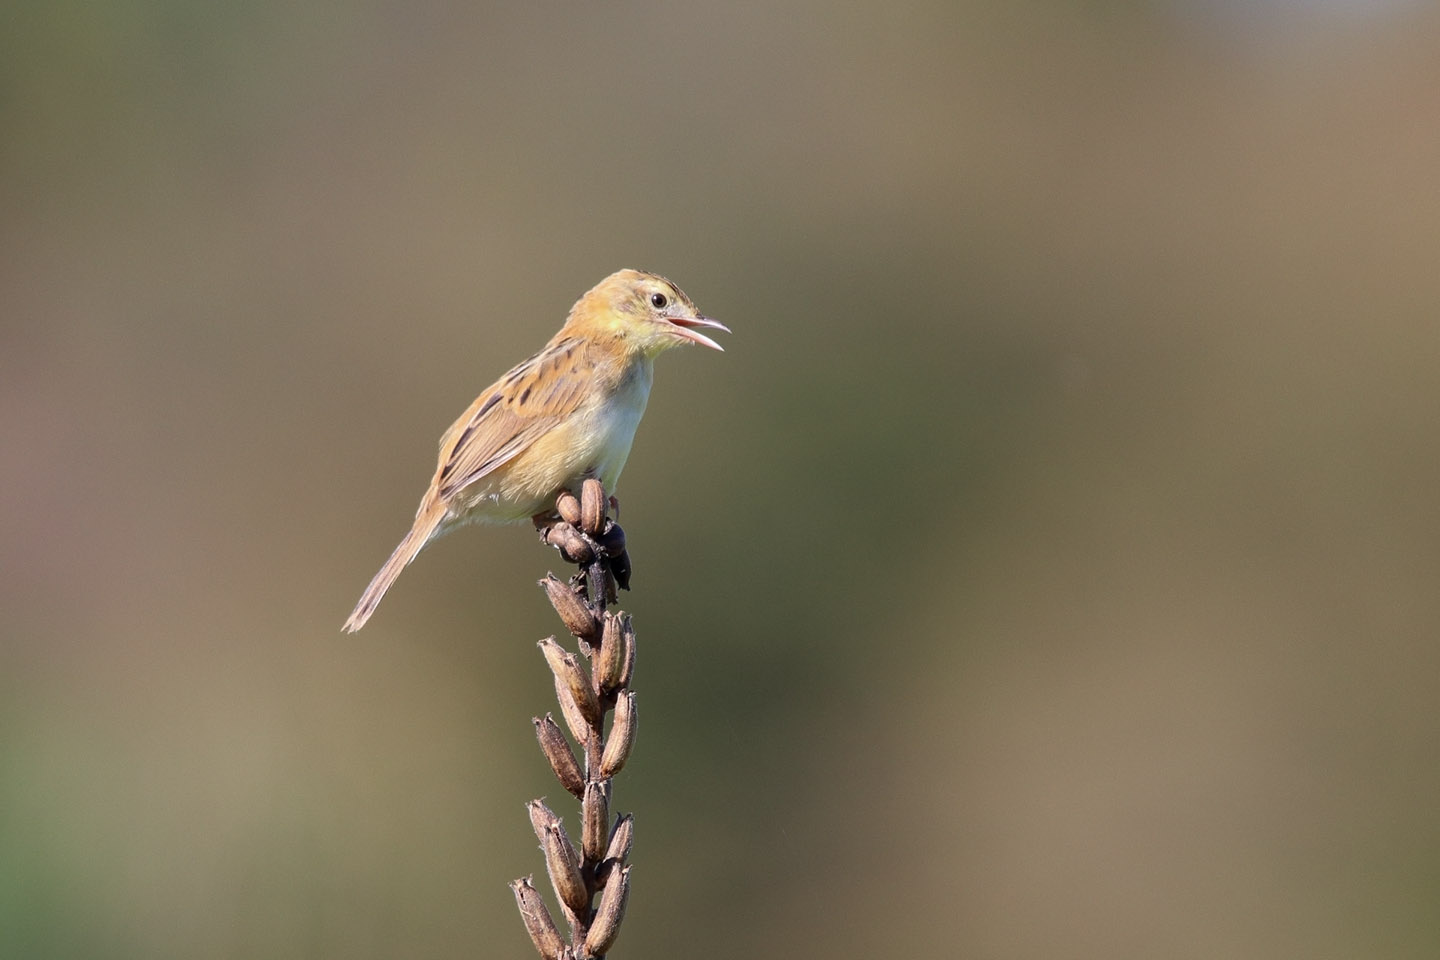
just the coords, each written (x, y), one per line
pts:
(648, 314)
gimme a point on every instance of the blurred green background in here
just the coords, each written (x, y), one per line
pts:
(1048, 569)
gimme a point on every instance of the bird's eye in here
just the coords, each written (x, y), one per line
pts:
(658, 301)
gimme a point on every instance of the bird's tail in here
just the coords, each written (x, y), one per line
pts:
(426, 520)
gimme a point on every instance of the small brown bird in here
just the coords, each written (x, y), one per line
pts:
(567, 413)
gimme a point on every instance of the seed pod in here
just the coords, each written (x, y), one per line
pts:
(612, 541)
(574, 720)
(595, 820)
(620, 567)
(621, 837)
(622, 736)
(543, 932)
(610, 661)
(541, 817)
(572, 546)
(627, 672)
(592, 507)
(572, 610)
(570, 676)
(577, 551)
(557, 751)
(568, 507)
(606, 927)
(563, 865)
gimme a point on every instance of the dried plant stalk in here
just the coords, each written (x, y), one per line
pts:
(585, 535)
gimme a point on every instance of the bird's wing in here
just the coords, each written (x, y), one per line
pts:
(517, 410)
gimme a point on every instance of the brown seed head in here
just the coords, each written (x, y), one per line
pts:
(563, 865)
(568, 507)
(592, 507)
(610, 661)
(621, 837)
(574, 720)
(572, 546)
(541, 817)
(627, 671)
(595, 820)
(570, 676)
(622, 735)
(606, 927)
(572, 610)
(557, 751)
(543, 932)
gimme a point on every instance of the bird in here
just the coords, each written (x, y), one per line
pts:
(566, 414)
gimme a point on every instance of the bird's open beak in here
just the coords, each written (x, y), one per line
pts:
(685, 327)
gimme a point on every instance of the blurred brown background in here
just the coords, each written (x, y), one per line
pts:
(1048, 569)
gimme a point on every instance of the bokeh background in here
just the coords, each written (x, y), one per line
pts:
(1050, 567)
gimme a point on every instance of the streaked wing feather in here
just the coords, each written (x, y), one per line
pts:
(519, 409)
